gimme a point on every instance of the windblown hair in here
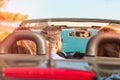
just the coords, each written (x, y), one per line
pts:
(110, 29)
(52, 34)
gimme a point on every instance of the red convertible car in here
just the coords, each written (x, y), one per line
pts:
(80, 50)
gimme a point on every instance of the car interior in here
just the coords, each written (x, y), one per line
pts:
(102, 64)
(97, 65)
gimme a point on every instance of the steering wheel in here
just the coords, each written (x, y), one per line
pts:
(24, 35)
(93, 44)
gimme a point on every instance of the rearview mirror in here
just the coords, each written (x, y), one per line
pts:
(80, 33)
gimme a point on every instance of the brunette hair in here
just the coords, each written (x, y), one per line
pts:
(51, 33)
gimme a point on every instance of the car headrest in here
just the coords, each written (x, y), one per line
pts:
(24, 35)
(95, 41)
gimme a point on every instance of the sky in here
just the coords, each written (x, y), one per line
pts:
(106, 9)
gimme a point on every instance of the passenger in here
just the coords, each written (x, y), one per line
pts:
(54, 41)
(109, 49)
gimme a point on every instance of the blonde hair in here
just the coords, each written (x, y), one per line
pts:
(109, 28)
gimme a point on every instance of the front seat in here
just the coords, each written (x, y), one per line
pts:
(94, 43)
(41, 46)
(102, 65)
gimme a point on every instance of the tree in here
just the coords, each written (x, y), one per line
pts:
(2, 2)
(7, 19)
(10, 16)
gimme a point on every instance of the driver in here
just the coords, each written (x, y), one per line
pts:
(53, 39)
(109, 49)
